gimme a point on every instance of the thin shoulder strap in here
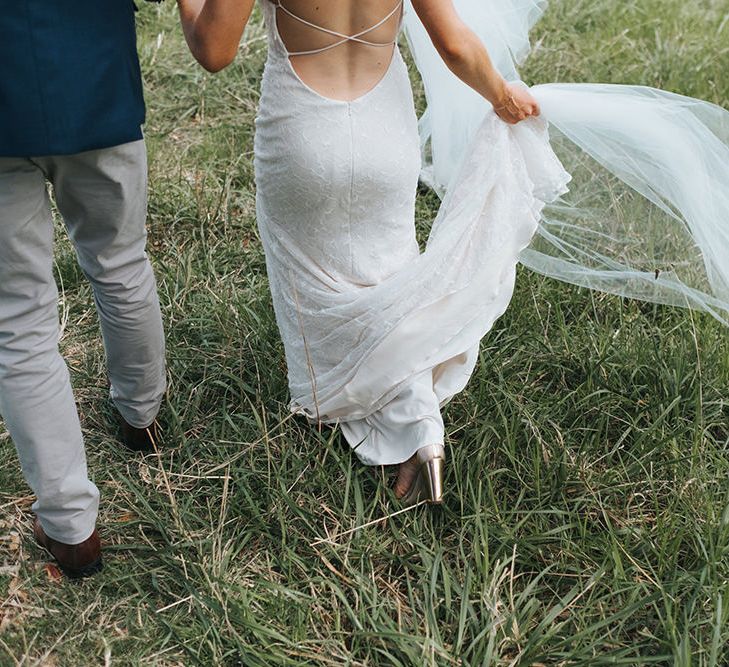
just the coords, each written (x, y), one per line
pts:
(357, 37)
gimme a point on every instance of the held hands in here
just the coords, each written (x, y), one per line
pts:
(515, 104)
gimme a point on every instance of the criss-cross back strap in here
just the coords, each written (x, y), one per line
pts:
(357, 37)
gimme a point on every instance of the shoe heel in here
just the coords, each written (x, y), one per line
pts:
(434, 477)
(86, 571)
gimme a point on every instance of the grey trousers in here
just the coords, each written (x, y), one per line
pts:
(102, 197)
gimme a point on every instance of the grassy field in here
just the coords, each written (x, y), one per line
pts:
(587, 514)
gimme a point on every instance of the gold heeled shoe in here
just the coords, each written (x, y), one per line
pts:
(428, 482)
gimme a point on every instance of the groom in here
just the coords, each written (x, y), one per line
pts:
(71, 110)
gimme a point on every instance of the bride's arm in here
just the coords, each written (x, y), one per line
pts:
(467, 57)
(213, 29)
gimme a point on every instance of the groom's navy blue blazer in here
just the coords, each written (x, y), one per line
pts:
(69, 76)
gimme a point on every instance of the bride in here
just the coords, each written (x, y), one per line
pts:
(379, 335)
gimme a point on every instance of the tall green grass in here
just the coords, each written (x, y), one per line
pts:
(587, 514)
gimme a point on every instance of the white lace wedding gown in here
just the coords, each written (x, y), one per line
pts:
(377, 334)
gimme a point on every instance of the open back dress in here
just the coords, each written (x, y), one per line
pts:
(379, 335)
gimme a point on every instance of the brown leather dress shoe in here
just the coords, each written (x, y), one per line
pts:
(76, 560)
(140, 439)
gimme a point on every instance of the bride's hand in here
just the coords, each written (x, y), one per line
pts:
(516, 104)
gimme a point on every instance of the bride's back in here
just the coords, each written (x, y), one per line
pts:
(352, 67)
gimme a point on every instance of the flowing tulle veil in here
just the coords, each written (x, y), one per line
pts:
(647, 213)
